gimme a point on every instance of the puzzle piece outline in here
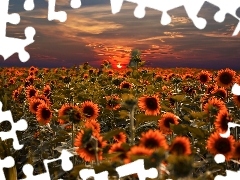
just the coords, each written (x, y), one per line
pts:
(192, 9)
(66, 164)
(6, 46)
(20, 125)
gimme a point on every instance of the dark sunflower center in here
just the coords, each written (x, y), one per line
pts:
(226, 78)
(224, 123)
(46, 113)
(167, 122)
(32, 92)
(126, 85)
(223, 145)
(203, 78)
(237, 150)
(67, 110)
(151, 103)
(178, 148)
(221, 93)
(88, 111)
(151, 143)
(112, 103)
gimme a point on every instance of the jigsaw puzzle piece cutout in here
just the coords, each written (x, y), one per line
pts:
(227, 7)
(21, 125)
(9, 46)
(7, 162)
(137, 167)
(66, 166)
(29, 5)
(192, 9)
(60, 15)
(87, 173)
(139, 12)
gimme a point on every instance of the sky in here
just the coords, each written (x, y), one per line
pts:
(92, 34)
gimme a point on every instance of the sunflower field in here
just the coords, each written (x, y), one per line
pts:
(108, 117)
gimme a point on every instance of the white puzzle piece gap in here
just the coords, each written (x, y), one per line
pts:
(192, 8)
(8, 45)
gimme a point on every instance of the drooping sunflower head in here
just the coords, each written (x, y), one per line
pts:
(86, 148)
(214, 105)
(219, 145)
(71, 112)
(164, 123)
(47, 90)
(220, 92)
(225, 77)
(149, 104)
(89, 110)
(137, 152)
(43, 114)
(113, 102)
(222, 120)
(94, 125)
(153, 140)
(120, 137)
(180, 146)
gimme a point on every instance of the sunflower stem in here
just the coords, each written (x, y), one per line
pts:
(73, 144)
(132, 128)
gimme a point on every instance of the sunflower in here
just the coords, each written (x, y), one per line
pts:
(149, 104)
(214, 105)
(125, 85)
(187, 76)
(164, 122)
(153, 140)
(221, 122)
(211, 88)
(237, 150)
(225, 77)
(180, 146)
(86, 149)
(118, 148)
(89, 110)
(44, 98)
(31, 91)
(34, 103)
(113, 102)
(47, 90)
(220, 92)
(204, 77)
(236, 100)
(15, 94)
(219, 145)
(120, 137)
(72, 111)
(94, 125)
(43, 114)
(137, 151)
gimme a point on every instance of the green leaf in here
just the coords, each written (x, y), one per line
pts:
(178, 98)
(179, 129)
(123, 114)
(196, 132)
(140, 118)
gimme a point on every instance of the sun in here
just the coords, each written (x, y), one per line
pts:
(119, 66)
